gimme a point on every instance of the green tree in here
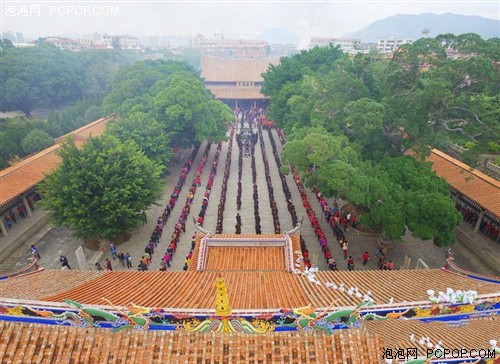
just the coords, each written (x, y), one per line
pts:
(189, 113)
(101, 190)
(36, 140)
(38, 76)
(131, 84)
(146, 132)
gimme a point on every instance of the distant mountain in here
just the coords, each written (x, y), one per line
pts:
(278, 36)
(411, 26)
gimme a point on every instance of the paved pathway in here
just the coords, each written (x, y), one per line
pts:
(53, 241)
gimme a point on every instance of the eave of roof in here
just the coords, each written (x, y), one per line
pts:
(21, 177)
(477, 186)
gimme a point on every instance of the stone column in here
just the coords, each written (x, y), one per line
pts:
(4, 228)
(479, 220)
(27, 206)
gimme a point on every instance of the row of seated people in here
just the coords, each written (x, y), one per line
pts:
(240, 173)
(291, 206)
(225, 178)
(255, 195)
(180, 226)
(284, 184)
(322, 241)
(288, 195)
(180, 183)
(208, 187)
(270, 190)
(206, 199)
(158, 230)
(486, 227)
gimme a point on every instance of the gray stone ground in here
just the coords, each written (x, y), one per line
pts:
(54, 241)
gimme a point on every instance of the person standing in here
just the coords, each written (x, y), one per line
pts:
(128, 260)
(64, 262)
(344, 248)
(350, 263)
(121, 257)
(112, 250)
(34, 252)
(108, 264)
(365, 257)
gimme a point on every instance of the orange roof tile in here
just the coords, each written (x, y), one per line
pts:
(401, 285)
(47, 282)
(258, 290)
(247, 290)
(229, 252)
(472, 183)
(471, 334)
(26, 174)
(222, 69)
(32, 343)
(245, 258)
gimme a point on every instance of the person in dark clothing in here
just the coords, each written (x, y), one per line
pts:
(64, 261)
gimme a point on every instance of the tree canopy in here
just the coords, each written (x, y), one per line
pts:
(172, 94)
(101, 189)
(45, 76)
(349, 122)
(146, 132)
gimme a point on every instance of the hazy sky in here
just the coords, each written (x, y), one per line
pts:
(241, 18)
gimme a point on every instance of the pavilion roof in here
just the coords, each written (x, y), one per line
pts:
(223, 69)
(231, 257)
(245, 258)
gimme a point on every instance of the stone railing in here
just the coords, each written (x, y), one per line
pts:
(494, 169)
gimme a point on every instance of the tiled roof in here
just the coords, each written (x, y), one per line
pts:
(19, 178)
(47, 282)
(236, 92)
(262, 290)
(222, 69)
(472, 183)
(401, 285)
(245, 258)
(26, 174)
(31, 343)
(231, 258)
(247, 290)
(471, 334)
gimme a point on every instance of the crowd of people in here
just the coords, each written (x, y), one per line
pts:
(338, 222)
(486, 227)
(10, 218)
